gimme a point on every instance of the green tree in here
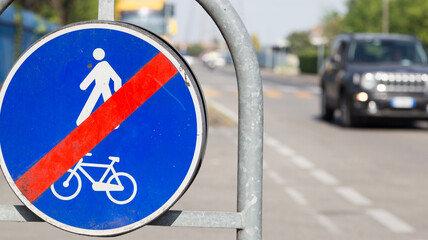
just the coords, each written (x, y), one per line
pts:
(299, 43)
(332, 25)
(405, 17)
(363, 16)
(62, 11)
(82, 10)
(195, 49)
(409, 17)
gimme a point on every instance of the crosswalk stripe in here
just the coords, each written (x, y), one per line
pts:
(211, 93)
(303, 94)
(273, 94)
(390, 221)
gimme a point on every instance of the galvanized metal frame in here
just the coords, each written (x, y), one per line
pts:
(248, 218)
(4, 4)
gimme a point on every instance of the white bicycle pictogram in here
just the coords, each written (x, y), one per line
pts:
(113, 184)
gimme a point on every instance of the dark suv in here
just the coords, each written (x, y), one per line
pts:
(375, 76)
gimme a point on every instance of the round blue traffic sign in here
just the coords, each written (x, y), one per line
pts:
(103, 127)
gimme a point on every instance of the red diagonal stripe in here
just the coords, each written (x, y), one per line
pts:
(96, 127)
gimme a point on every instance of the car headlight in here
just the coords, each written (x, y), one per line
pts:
(368, 81)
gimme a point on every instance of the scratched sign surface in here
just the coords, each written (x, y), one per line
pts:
(102, 128)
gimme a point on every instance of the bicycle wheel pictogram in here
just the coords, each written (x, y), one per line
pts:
(121, 196)
(68, 186)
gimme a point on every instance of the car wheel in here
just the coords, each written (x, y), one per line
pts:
(327, 113)
(347, 119)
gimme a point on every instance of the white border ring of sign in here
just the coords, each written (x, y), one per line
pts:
(198, 100)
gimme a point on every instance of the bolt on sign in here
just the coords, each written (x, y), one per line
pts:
(102, 127)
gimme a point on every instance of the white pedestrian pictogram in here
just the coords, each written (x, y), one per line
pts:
(101, 74)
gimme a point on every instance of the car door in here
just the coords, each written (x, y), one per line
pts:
(338, 70)
(332, 68)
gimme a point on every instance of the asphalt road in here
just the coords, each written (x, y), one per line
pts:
(320, 181)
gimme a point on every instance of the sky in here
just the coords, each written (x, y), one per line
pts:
(270, 20)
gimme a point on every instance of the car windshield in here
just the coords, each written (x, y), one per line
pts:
(387, 51)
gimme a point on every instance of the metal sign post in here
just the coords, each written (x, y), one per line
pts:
(250, 139)
(4, 4)
(248, 218)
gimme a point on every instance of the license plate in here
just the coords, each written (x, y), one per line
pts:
(403, 102)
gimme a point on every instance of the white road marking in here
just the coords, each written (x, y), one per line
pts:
(383, 217)
(302, 162)
(324, 177)
(390, 221)
(296, 196)
(353, 196)
(226, 111)
(271, 142)
(265, 165)
(276, 177)
(327, 224)
(285, 151)
(275, 144)
(299, 161)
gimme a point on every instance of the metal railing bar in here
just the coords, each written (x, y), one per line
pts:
(173, 218)
(4, 4)
(17, 213)
(106, 10)
(250, 122)
(250, 149)
(202, 219)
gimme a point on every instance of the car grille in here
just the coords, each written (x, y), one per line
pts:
(401, 82)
